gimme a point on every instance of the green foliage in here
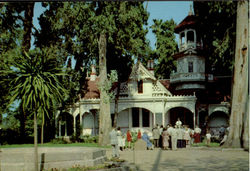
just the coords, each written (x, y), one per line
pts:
(75, 27)
(58, 141)
(218, 27)
(165, 47)
(10, 41)
(34, 81)
(89, 139)
(107, 85)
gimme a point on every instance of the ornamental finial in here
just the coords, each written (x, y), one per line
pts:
(191, 10)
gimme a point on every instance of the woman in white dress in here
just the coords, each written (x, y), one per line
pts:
(119, 137)
(186, 135)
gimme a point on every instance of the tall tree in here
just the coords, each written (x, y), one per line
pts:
(217, 21)
(239, 114)
(35, 82)
(78, 26)
(16, 19)
(105, 121)
(10, 40)
(165, 47)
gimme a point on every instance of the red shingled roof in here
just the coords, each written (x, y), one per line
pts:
(92, 90)
(189, 21)
(166, 83)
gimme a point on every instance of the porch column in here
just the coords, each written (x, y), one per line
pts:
(194, 118)
(195, 39)
(81, 125)
(74, 126)
(60, 127)
(150, 119)
(129, 118)
(163, 114)
(140, 117)
(56, 127)
(65, 128)
(185, 39)
(153, 119)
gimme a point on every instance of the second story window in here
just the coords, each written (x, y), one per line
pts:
(190, 67)
(190, 36)
(140, 86)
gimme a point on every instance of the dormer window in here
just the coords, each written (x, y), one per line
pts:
(140, 86)
(190, 36)
(190, 66)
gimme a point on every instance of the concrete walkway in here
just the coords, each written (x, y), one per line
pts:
(193, 159)
(15, 159)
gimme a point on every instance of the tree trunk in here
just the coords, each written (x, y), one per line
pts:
(105, 119)
(246, 127)
(246, 120)
(240, 80)
(35, 143)
(27, 26)
(42, 130)
(116, 104)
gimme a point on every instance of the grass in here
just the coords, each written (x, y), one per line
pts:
(54, 145)
(203, 144)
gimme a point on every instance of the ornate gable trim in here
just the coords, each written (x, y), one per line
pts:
(159, 88)
(140, 72)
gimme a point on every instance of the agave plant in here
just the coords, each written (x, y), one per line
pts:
(35, 82)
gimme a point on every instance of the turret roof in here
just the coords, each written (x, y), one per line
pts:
(188, 22)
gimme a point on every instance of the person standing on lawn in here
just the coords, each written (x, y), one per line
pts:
(114, 142)
(208, 136)
(129, 139)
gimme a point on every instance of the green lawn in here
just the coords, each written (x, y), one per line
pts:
(203, 144)
(54, 145)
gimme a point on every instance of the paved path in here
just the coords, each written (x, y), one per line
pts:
(193, 159)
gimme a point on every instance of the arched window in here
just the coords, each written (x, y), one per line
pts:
(182, 38)
(190, 66)
(190, 36)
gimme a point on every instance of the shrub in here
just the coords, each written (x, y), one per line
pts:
(58, 141)
(89, 139)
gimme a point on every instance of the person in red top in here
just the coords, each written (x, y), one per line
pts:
(129, 138)
(139, 134)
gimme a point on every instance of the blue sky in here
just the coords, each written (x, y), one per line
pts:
(164, 10)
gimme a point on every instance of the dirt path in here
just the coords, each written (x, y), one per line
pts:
(193, 159)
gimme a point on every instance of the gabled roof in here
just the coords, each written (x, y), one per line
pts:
(140, 72)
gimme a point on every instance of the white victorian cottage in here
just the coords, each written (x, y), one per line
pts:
(143, 102)
(191, 94)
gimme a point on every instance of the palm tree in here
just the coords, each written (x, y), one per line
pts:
(35, 82)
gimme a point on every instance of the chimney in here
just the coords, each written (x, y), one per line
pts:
(93, 73)
(150, 66)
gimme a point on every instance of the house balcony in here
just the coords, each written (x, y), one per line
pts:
(187, 77)
(190, 45)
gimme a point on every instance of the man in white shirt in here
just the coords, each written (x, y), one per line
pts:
(174, 138)
(178, 123)
(114, 142)
(156, 136)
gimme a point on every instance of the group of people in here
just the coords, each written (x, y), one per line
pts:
(118, 140)
(166, 138)
(175, 137)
